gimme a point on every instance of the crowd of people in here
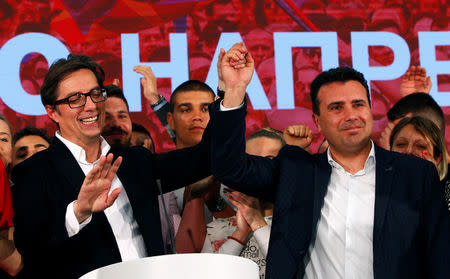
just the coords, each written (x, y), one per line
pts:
(97, 192)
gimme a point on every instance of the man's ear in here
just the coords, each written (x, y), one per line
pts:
(52, 113)
(170, 120)
(316, 121)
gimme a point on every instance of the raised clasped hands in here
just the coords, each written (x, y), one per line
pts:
(249, 208)
(94, 194)
(236, 68)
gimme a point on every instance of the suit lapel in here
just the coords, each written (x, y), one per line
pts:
(65, 165)
(383, 183)
(322, 175)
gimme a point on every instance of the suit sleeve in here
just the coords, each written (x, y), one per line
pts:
(253, 175)
(437, 228)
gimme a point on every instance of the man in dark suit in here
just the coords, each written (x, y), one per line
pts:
(76, 207)
(355, 211)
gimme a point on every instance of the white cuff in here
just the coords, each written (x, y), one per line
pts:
(72, 225)
(222, 108)
(262, 236)
(231, 247)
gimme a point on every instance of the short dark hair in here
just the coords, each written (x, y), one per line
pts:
(190, 85)
(418, 103)
(141, 129)
(341, 74)
(115, 91)
(63, 67)
(30, 131)
(268, 132)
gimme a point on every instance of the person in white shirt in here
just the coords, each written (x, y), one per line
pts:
(77, 207)
(355, 211)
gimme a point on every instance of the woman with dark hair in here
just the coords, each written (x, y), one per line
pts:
(421, 137)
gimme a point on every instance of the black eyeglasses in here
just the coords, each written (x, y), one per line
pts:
(76, 100)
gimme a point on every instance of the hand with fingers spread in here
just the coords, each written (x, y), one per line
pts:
(237, 70)
(148, 83)
(300, 135)
(415, 80)
(94, 194)
(249, 207)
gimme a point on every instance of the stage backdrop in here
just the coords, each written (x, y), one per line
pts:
(291, 41)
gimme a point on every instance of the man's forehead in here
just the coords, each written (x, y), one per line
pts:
(115, 104)
(82, 80)
(193, 97)
(348, 91)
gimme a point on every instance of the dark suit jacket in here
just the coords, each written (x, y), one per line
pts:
(47, 182)
(411, 224)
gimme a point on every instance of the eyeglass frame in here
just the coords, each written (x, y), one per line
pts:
(66, 100)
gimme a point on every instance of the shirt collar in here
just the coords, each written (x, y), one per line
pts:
(78, 152)
(370, 161)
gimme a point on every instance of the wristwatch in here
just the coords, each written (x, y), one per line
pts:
(221, 204)
(160, 100)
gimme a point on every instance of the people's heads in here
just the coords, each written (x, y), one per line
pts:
(259, 44)
(341, 106)
(267, 142)
(305, 76)
(64, 93)
(27, 142)
(5, 141)
(117, 128)
(307, 57)
(189, 114)
(419, 136)
(418, 104)
(140, 135)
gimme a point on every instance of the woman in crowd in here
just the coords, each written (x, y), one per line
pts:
(10, 259)
(421, 137)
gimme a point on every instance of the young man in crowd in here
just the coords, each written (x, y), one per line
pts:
(356, 210)
(27, 142)
(86, 210)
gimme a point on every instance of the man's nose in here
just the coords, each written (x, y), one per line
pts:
(89, 103)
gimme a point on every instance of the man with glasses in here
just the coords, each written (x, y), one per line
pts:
(77, 208)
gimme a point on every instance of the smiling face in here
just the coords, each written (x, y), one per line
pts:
(190, 116)
(345, 118)
(81, 125)
(410, 141)
(117, 129)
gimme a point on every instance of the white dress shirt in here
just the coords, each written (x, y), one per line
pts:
(119, 214)
(343, 244)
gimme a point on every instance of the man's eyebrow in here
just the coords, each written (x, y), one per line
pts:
(4, 133)
(359, 101)
(185, 104)
(40, 145)
(335, 103)
(22, 148)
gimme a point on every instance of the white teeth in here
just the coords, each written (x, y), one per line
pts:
(89, 120)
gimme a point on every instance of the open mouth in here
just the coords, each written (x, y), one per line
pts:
(90, 120)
